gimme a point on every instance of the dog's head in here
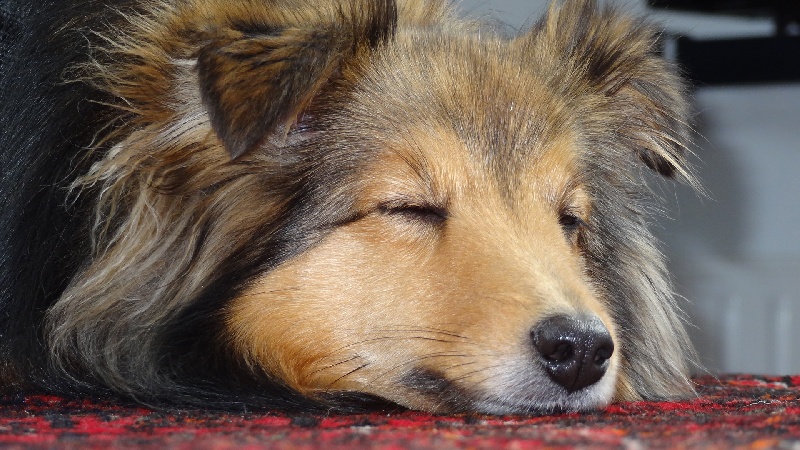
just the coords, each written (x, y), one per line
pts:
(444, 218)
(484, 245)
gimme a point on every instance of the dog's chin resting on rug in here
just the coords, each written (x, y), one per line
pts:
(350, 204)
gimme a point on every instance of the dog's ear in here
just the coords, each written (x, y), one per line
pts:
(613, 60)
(256, 83)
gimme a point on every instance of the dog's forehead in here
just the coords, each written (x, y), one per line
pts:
(442, 95)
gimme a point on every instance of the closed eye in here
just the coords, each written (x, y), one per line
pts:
(415, 212)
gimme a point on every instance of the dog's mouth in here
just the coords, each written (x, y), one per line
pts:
(429, 390)
(508, 387)
(570, 366)
(506, 392)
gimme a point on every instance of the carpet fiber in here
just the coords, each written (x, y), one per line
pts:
(735, 411)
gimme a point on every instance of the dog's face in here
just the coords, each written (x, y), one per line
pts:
(457, 280)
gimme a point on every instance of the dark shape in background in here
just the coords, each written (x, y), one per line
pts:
(741, 60)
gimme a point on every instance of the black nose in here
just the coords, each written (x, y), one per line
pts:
(575, 351)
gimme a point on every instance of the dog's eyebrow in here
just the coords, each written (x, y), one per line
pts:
(419, 163)
(411, 154)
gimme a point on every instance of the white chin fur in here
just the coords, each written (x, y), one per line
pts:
(518, 391)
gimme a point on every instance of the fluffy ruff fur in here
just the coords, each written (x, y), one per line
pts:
(314, 205)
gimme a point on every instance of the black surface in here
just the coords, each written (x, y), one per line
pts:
(740, 61)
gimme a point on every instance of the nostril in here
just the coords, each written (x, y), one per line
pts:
(552, 348)
(603, 353)
(562, 352)
(575, 351)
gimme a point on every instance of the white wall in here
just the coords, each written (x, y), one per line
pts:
(517, 13)
(735, 256)
(512, 12)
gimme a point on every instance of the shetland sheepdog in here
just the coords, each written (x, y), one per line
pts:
(305, 204)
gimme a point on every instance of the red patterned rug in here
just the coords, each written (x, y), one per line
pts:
(741, 411)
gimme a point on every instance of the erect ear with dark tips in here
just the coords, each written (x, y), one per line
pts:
(256, 85)
(601, 51)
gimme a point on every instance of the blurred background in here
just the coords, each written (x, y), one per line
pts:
(734, 255)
